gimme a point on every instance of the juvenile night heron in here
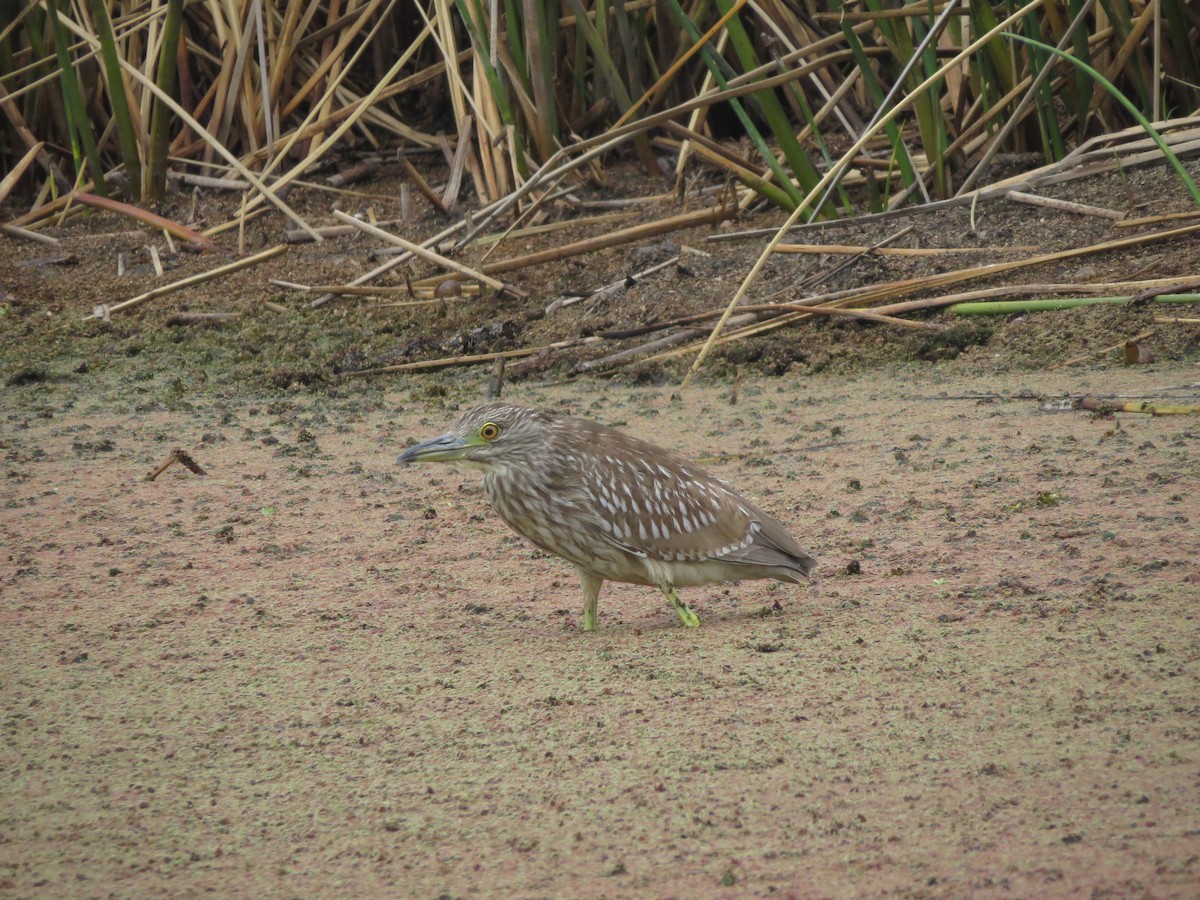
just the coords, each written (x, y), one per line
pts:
(619, 508)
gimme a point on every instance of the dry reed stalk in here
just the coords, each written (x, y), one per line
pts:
(17, 121)
(860, 297)
(750, 320)
(1082, 209)
(861, 314)
(461, 151)
(492, 240)
(477, 357)
(146, 217)
(1027, 102)
(214, 183)
(10, 180)
(467, 291)
(103, 312)
(363, 107)
(670, 340)
(1155, 220)
(717, 27)
(529, 212)
(690, 136)
(725, 162)
(490, 175)
(838, 249)
(417, 249)
(296, 236)
(422, 185)
(699, 115)
(711, 216)
(24, 234)
(891, 289)
(610, 289)
(394, 262)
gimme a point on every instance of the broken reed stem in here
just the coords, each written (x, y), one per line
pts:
(1082, 209)
(102, 312)
(865, 296)
(469, 291)
(418, 250)
(26, 235)
(849, 249)
(711, 216)
(423, 186)
(476, 357)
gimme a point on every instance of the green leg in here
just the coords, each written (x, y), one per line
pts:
(686, 616)
(591, 597)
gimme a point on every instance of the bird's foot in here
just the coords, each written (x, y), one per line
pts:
(686, 616)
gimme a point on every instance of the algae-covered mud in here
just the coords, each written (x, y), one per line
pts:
(311, 670)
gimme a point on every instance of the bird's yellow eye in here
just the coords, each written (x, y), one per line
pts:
(490, 431)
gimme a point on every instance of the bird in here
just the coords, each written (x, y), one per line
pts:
(617, 507)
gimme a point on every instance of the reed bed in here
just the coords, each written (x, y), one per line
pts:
(494, 108)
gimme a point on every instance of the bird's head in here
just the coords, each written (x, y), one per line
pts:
(492, 436)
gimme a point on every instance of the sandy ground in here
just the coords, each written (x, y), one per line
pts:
(313, 673)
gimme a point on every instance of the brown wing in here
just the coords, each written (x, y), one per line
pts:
(658, 505)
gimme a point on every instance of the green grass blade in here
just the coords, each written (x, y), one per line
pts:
(777, 120)
(540, 46)
(720, 72)
(83, 142)
(161, 115)
(1083, 53)
(908, 172)
(471, 18)
(117, 96)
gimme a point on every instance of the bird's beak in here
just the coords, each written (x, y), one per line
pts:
(447, 448)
